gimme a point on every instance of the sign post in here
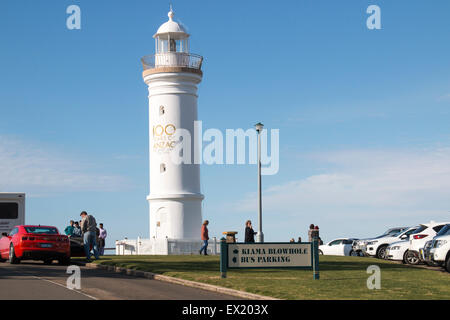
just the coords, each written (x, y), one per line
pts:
(304, 255)
(315, 254)
(223, 257)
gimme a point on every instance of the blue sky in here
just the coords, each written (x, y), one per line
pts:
(363, 114)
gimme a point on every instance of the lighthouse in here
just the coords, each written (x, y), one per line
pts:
(172, 75)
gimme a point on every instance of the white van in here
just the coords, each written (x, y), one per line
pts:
(12, 211)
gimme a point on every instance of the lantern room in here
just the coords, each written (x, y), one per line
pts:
(171, 37)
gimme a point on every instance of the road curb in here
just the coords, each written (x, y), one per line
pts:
(188, 283)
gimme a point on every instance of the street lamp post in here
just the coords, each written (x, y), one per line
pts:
(259, 236)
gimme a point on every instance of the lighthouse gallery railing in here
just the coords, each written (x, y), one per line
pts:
(172, 59)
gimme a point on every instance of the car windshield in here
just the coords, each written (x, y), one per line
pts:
(445, 231)
(391, 232)
(41, 230)
(397, 233)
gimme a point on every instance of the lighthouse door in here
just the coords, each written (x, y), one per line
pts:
(161, 223)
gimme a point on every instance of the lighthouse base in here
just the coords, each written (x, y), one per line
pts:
(175, 216)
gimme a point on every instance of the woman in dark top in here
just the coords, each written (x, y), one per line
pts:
(249, 233)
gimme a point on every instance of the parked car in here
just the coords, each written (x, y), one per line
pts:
(426, 232)
(34, 243)
(396, 250)
(377, 247)
(76, 246)
(337, 247)
(440, 248)
(359, 246)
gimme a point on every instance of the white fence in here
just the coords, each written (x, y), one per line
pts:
(164, 247)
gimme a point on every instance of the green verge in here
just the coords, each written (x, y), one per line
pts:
(340, 277)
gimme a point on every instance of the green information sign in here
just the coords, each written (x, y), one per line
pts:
(304, 255)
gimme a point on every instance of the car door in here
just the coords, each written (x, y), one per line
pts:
(348, 246)
(336, 247)
(3, 241)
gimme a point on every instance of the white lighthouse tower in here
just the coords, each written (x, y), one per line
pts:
(172, 75)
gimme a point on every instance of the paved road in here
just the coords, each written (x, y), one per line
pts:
(38, 281)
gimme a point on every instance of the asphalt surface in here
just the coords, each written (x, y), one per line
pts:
(36, 281)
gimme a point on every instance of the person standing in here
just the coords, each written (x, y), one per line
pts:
(76, 230)
(88, 227)
(249, 233)
(310, 232)
(102, 238)
(69, 229)
(205, 237)
(315, 233)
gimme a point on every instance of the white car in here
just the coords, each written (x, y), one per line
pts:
(337, 247)
(426, 232)
(396, 251)
(360, 246)
(377, 247)
(440, 248)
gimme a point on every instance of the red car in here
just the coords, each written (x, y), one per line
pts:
(35, 243)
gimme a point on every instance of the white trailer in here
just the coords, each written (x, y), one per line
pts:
(12, 211)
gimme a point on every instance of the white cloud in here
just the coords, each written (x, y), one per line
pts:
(365, 182)
(30, 168)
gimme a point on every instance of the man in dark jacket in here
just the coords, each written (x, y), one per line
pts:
(249, 233)
(89, 228)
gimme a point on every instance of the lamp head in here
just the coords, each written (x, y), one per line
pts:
(259, 127)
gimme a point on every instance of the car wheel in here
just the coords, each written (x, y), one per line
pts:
(351, 253)
(64, 261)
(320, 252)
(48, 261)
(381, 252)
(12, 255)
(404, 261)
(412, 258)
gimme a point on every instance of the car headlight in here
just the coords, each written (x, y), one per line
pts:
(440, 243)
(394, 248)
(371, 243)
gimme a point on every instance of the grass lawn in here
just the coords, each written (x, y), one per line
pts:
(340, 277)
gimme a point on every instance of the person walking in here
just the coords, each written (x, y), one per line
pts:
(249, 233)
(205, 237)
(102, 237)
(88, 227)
(69, 229)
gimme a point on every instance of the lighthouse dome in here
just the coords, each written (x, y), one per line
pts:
(172, 28)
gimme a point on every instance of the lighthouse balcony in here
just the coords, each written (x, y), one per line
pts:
(172, 59)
